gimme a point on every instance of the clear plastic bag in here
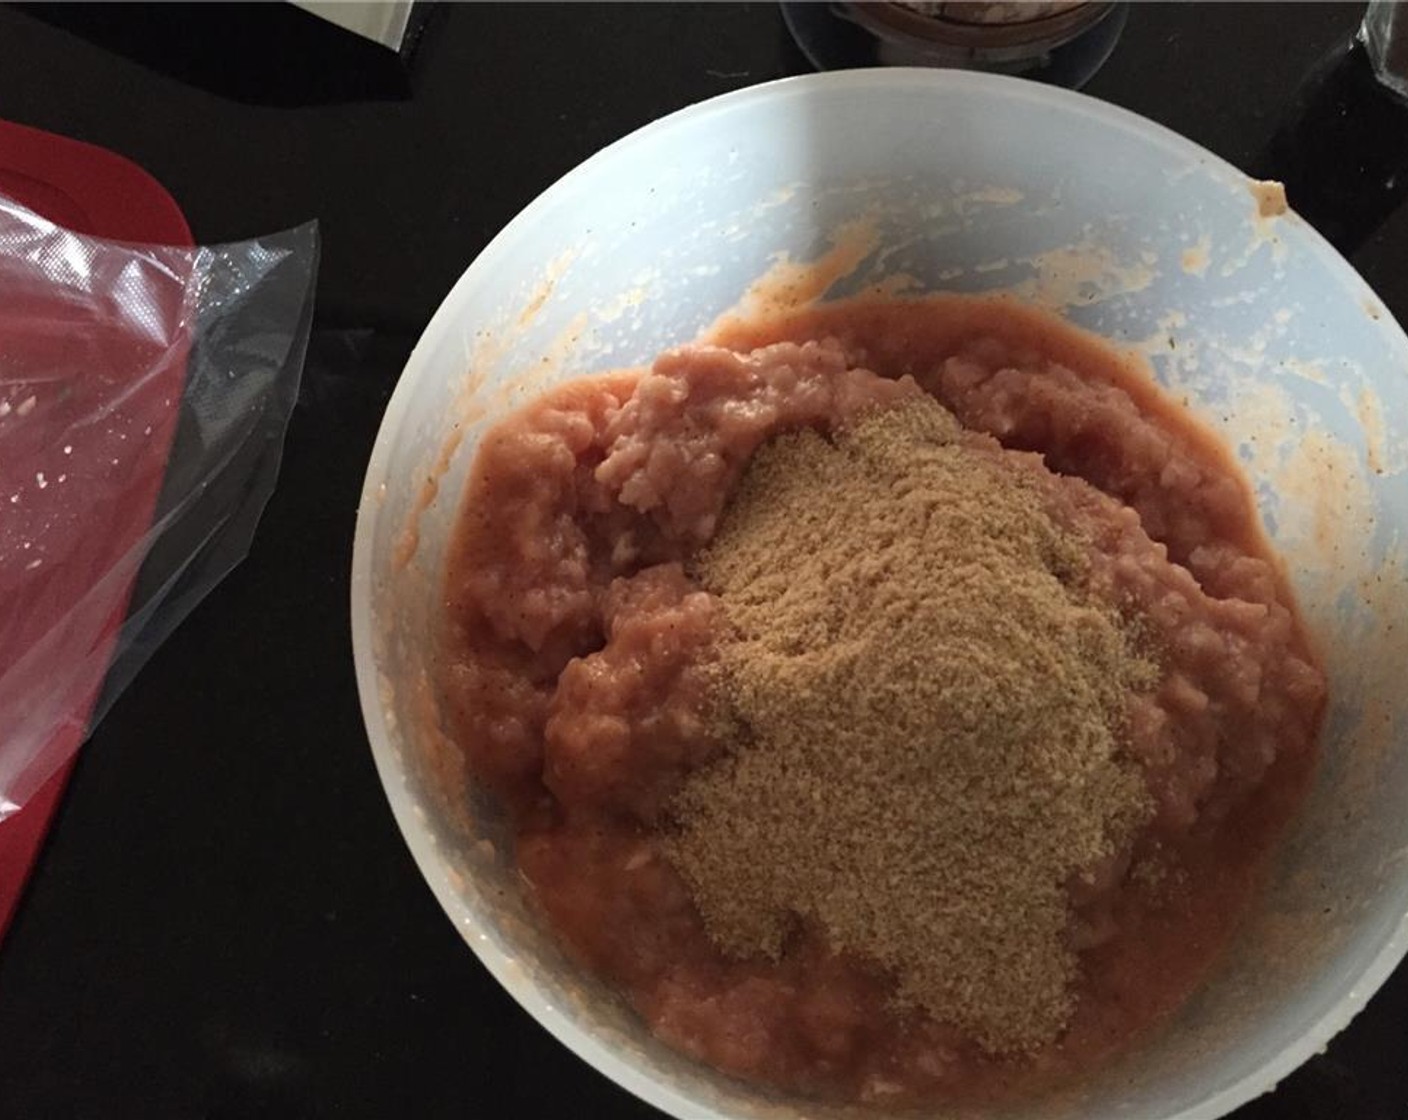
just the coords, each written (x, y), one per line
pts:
(144, 395)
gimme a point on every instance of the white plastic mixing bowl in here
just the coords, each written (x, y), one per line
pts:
(971, 183)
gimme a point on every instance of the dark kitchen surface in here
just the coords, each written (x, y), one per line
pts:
(225, 922)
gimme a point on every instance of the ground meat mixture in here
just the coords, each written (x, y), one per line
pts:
(593, 681)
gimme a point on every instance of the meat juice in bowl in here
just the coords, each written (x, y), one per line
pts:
(1229, 301)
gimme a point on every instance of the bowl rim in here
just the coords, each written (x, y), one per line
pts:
(585, 1044)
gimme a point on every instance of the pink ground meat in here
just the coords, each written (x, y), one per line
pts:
(576, 684)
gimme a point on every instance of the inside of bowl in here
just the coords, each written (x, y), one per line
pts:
(923, 181)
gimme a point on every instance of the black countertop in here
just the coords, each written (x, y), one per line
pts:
(225, 922)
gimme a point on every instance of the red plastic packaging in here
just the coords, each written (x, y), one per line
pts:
(89, 190)
(144, 393)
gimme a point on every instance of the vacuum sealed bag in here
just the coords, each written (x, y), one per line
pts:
(144, 395)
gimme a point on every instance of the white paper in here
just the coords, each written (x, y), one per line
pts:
(382, 21)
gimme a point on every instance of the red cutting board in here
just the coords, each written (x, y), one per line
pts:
(91, 191)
